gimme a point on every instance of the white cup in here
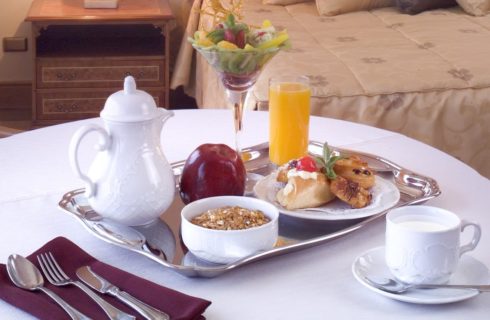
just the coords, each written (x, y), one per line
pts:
(423, 243)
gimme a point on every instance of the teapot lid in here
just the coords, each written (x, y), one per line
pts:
(130, 104)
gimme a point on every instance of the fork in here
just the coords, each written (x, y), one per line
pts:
(58, 277)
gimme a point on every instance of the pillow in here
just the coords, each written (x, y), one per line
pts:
(335, 7)
(418, 6)
(284, 2)
(475, 7)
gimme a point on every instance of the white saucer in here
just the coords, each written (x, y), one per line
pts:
(470, 271)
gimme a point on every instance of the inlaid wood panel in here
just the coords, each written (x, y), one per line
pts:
(102, 73)
(65, 104)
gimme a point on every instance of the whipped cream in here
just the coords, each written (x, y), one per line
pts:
(302, 174)
(298, 173)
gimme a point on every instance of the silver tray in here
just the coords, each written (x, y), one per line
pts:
(161, 241)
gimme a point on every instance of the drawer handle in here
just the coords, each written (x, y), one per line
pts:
(67, 109)
(66, 77)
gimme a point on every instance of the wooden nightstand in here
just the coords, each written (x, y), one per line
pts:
(82, 55)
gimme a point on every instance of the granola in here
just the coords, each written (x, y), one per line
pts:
(230, 218)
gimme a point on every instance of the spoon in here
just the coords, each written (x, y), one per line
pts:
(395, 286)
(25, 275)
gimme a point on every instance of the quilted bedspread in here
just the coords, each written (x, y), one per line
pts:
(426, 76)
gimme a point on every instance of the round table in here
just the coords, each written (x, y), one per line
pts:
(315, 283)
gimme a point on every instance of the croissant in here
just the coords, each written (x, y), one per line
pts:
(302, 193)
(282, 174)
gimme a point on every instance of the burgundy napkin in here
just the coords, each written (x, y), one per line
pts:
(178, 305)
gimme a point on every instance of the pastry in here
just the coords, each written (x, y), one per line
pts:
(305, 190)
(350, 192)
(354, 169)
(282, 173)
(312, 182)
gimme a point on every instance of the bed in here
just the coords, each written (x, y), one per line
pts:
(426, 76)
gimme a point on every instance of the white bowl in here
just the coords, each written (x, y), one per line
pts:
(225, 246)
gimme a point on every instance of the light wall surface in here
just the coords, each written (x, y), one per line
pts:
(15, 66)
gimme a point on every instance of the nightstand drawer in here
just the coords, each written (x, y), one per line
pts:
(98, 73)
(78, 103)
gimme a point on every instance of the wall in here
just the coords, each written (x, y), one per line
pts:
(15, 66)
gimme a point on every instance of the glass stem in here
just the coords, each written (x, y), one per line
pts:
(237, 100)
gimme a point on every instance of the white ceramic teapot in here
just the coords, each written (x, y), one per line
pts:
(130, 180)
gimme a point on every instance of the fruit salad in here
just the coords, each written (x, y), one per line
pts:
(237, 48)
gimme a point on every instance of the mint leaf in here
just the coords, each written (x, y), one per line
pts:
(328, 161)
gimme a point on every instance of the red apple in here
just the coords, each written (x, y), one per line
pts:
(212, 170)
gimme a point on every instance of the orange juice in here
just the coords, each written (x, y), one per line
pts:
(289, 116)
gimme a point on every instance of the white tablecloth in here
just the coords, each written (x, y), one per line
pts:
(316, 283)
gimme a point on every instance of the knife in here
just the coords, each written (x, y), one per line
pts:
(103, 286)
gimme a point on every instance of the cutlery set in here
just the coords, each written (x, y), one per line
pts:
(24, 274)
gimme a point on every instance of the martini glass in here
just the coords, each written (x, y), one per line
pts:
(238, 71)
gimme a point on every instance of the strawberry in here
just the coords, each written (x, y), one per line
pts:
(307, 163)
(240, 40)
(229, 35)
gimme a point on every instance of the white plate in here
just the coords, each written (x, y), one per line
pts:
(470, 271)
(385, 195)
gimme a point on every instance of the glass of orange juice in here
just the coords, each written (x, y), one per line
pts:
(289, 117)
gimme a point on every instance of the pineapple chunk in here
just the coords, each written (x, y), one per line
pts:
(205, 42)
(266, 24)
(227, 45)
(274, 42)
(248, 47)
(201, 39)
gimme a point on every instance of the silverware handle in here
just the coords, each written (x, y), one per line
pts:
(112, 312)
(142, 308)
(74, 313)
(481, 288)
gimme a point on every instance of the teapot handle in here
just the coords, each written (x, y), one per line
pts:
(104, 144)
